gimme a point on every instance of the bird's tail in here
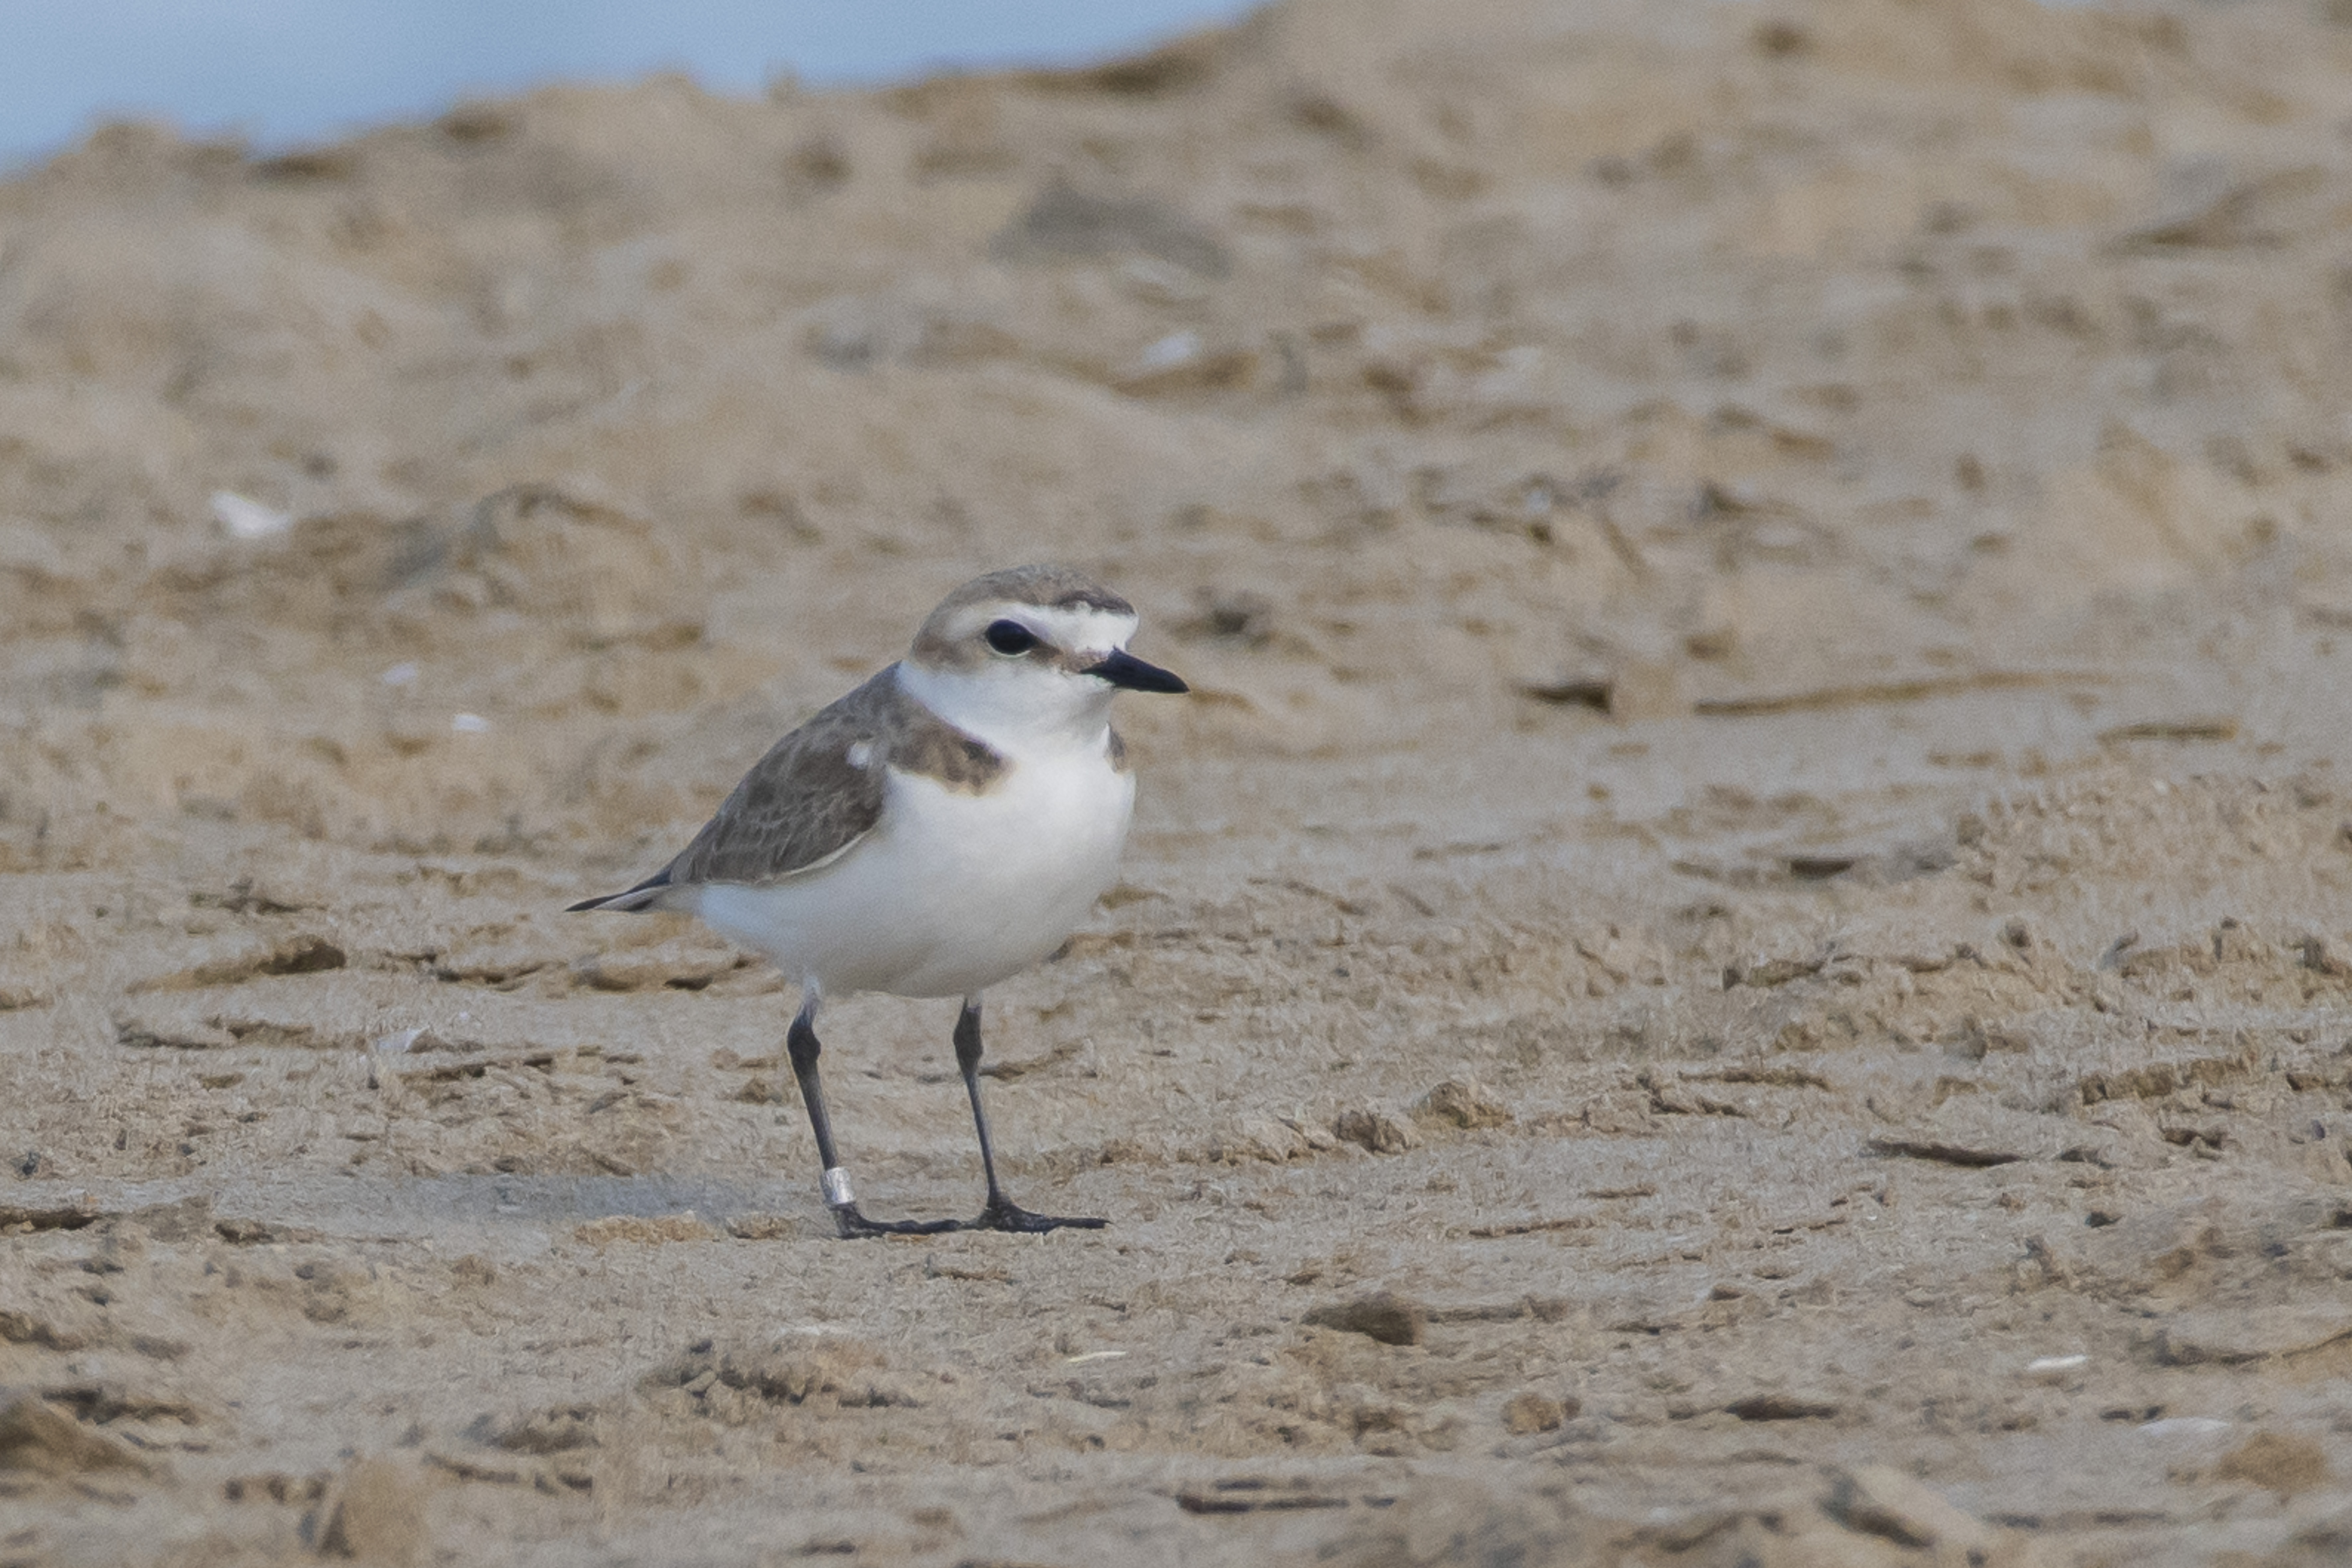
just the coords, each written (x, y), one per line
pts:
(646, 895)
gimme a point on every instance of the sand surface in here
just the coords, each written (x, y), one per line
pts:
(1744, 955)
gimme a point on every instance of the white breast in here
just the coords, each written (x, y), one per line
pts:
(951, 891)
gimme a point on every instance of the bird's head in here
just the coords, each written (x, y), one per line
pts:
(1030, 652)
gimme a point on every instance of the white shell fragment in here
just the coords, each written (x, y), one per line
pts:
(2055, 1368)
(242, 517)
(1176, 349)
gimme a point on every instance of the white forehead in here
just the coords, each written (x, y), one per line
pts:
(1081, 628)
(1076, 633)
(1074, 629)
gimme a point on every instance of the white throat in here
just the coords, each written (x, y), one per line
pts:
(1018, 710)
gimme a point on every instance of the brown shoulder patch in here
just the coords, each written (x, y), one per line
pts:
(929, 745)
(1118, 753)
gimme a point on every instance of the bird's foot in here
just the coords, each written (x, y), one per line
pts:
(853, 1225)
(1002, 1214)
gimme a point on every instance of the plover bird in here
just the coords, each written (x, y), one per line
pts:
(941, 827)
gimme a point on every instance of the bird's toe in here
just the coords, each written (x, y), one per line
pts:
(1004, 1216)
(854, 1225)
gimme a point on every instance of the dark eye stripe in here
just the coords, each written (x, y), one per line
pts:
(1010, 637)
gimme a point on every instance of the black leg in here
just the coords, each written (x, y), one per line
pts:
(1001, 1213)
(800, 1043)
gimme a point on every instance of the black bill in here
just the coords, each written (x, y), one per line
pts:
(1124, 669)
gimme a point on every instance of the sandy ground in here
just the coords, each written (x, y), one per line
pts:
(1744, 956)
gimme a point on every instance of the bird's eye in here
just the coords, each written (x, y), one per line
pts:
(1010, 637)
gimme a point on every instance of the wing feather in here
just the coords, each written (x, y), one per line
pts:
(806, 803)
(817, 792)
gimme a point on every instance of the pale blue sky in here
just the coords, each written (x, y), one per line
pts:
(283, 72)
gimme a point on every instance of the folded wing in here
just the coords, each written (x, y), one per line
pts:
(807, 803)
